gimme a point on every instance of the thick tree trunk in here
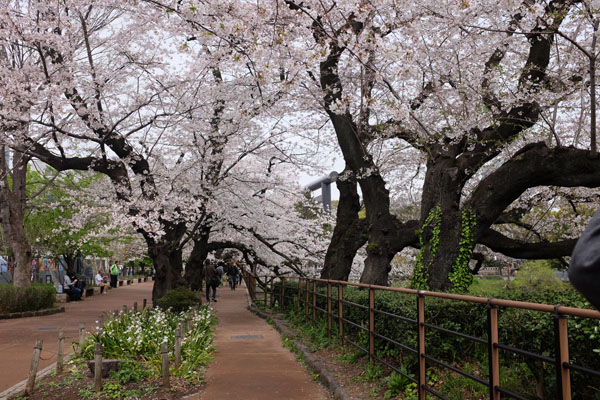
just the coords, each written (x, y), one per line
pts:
(167, 258)
(12, 203)
(20, 247)
(194, 268)
(349, 234)
(441, 236)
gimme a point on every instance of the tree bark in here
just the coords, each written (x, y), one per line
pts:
(349, 234)
(167, 258)
(194, 268)
(13, 200)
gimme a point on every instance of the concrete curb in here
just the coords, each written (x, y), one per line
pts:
(38, 313)
(327, 378)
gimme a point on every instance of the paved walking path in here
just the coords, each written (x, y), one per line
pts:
(250, 362)
(18, 336)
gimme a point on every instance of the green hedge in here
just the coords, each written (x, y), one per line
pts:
(179, 299)
(528, 330)
(38, 296)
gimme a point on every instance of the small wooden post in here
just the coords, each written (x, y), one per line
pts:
(561, 340)
(272, 303)
(341, 312)
(314, 305)
(81, 336)
(421, 378)
(329, 310)
(135, 306)
(493, 352)
(177, 347)
(299, 293)
(144, 303)
(124, 309)
(371, 324)
(282, 305)
(60, 356)
(182, 327)
(265, 288)
(98, 367)
(164, 351)
(306, 301)
(37, 349)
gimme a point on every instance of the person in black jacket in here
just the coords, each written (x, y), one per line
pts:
(584, 269)
(212, 280)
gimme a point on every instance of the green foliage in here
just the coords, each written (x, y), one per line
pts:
(132, 371)
(48, 224)
(38, 296)
(460, 275)
(372, 372)
(536, 276)
(138, 336)
(396, 384)
(421, 270)
(179, 299)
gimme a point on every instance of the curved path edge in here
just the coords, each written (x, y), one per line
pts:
(327, 377)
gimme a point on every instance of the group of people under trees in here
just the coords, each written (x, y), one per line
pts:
(213, 276)
(74, 288)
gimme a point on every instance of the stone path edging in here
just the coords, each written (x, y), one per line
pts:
(327, 378)
(38, 313)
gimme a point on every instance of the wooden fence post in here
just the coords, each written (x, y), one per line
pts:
(341, 312)
(164, 351)
(37, 349)
(60, 356)
(124, 309)
(177, 347)
(371, 324)
(306, 302)
(561, 342)
(272, 302)
(98, 367)
(135, 306)
(314, 308)
(299, 293)
(81, 336)
(329, 310)
(282, 305)
(493, 353)
(421, 377)
(144, 303)
(266, 292)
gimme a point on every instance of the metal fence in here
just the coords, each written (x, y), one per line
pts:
(320, 299)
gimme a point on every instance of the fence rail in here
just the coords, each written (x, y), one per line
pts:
(313, 304)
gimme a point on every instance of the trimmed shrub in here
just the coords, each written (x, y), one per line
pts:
(38, 296)
(179, 299)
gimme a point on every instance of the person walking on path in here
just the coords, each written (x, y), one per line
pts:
(212, 279)
(114, 274)
(250, 361)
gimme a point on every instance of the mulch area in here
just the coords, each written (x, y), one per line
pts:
(79, 384)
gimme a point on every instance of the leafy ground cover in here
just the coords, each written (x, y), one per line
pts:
(135, 338)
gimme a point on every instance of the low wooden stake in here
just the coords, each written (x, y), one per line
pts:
(37, 349)
(60, 365)
(98, 367)
(177, 348)
(164, 350)
(81, 336)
